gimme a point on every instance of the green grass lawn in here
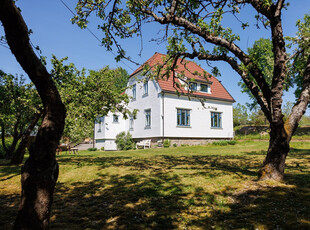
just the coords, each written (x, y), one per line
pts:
(201, 187)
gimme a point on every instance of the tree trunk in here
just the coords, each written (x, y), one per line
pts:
(18, 155)
(40, 172)
(274, 163)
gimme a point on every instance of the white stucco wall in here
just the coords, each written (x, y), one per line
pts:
(200, 118)
(142, 103)
(109, 129)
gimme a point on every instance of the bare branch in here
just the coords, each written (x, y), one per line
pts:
(231, 46)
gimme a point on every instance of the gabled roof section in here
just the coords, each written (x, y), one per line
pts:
(190, 70)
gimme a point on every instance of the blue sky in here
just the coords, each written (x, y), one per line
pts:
(54, 34)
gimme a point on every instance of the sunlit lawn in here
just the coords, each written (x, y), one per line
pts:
(201, 187)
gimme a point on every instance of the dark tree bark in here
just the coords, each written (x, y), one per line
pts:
(19, 153)
(40, 172)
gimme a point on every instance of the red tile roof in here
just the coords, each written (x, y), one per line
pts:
(188, 68)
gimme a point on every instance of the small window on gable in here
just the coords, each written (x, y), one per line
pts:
(145, 88)
(115, 118)
(205, 88)
(134, 92)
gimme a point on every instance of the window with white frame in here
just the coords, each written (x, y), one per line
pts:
(205, 88)
(145, 88)
(147, 118)
(134, 92)
(183, 117)
(99, 126)
(131, 122)
(115, 118)
(216, 120)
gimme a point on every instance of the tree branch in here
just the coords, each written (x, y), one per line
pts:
(300, 106)
(232, 47)
(250, 84)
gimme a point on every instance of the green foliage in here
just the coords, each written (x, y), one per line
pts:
(224, 142)
(240, 115)
(88, 97)
(92, 149)
(167, 143)
(124, 141)
(301, 45)
(18, 104)
(102, 148)
(174, 145)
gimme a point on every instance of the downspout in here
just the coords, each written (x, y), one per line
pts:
(163, 111)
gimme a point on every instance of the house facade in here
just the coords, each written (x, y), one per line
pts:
(168, 112)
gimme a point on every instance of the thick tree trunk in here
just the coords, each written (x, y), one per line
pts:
(40, 172)
(274, 163)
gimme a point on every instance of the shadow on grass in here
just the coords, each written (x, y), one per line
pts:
(152, 194)
(8, 171)
(120, 202)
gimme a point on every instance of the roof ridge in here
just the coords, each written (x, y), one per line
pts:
(147, 61)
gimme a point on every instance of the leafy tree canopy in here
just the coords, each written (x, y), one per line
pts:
(88, 97)
(19, 102)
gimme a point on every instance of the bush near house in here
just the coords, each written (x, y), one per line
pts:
(124, 141)
(166, 143)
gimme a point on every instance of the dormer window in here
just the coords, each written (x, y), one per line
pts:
(205, 88)
(193, 86)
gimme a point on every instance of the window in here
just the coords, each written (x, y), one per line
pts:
(145, 88)
(147, 118)
(193, 86)
(183, 117)
(99, 126)
(205, 88)
(216, 120)
(131, 122)
(115, 118)
(134, 90)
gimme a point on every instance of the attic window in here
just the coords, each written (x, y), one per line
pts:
(205, 88)
(193, 86)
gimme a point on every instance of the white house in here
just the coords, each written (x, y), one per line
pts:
(165, 114)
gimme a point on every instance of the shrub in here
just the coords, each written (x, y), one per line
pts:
(175, 145)
(232, 142)
(223, 143)
(220, 143)
(102, 149)
(92, 149)
(124, 141)
(166, 143)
